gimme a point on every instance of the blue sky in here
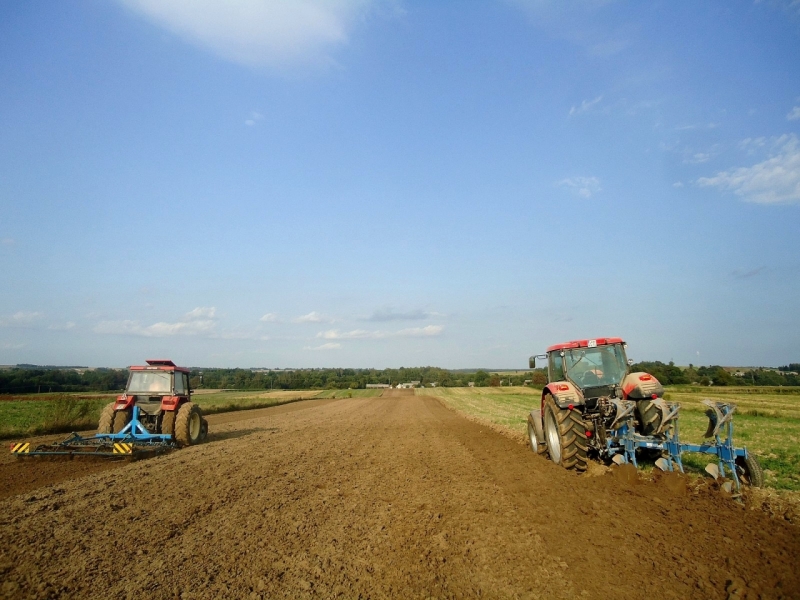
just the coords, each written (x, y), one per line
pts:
(372, 183)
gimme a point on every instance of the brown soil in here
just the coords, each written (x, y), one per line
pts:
(383, 497)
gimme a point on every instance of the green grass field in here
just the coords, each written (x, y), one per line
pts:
(767, 421)
(55, 413)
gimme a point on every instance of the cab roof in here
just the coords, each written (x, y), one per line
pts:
(160, 364)
(585, 343)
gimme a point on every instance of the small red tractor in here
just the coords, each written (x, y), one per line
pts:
(594, 407)
(155, 414)
(161, 396)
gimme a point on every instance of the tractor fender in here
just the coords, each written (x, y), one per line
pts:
(564, 393)
(124, 401)
(640, 386)
(535, 419)
(171, 403)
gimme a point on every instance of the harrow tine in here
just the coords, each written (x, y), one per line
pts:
(664, 464)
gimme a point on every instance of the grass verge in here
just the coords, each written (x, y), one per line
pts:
(768, 424)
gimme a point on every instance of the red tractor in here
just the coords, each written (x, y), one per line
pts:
(594, 407)
(156, 404)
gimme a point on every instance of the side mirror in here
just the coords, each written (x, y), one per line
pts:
(532, 362)
(630, 362)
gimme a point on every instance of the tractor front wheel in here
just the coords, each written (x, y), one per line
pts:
(565, 434)
(749, 470)
(106, 418)
(189, 425)
(649, 417)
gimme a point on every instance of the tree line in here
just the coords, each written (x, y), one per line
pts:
(31, 379)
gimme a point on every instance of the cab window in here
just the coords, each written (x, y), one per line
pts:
(181, 386)
(556, 367)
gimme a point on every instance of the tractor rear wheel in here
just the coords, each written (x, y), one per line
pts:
(168, 422)
(649, 417)
(121, 419)
(189, 425)
(749, 470)
(565, 434)
(106, 418)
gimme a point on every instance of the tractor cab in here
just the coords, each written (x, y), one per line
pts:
(596, 367)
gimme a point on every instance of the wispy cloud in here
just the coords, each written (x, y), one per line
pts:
(363, 334)
(269, 318)
(254, 118)
(585, 187)
(325, 346)
(775, 180)
(585, 106)
(794, 114)
(7, 241)
(312, 317)
(22, 318)
(258, 32)
(747, 274)
(199, 321)
(389, 314)
(63, 326)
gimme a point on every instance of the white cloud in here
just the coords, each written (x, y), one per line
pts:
(22, 318)
(775, 180)
(697, 158)
(312, 317)
(585, 187)
(362, 334)
(272, 33)
(198, 321)
(677, 184)
(585, 106)
(326, 346)
(254, 118)
(794, 114)
(269, 318)
(64, 327)
(201, 312)
(389, 314)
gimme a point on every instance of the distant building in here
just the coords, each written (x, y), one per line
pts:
(471, 384)
(377, 386)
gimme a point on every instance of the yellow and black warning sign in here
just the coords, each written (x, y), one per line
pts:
(21, 448)
(123, 448)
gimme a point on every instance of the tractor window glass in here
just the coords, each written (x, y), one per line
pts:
(148, 382)
(588, 367)
(180, 383)
(556, 367)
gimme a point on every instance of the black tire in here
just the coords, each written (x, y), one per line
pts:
(749, 470)
(121, 419)
(565, 435)
(649, 417)
(168, 422)
(189, 425)
(106, 418)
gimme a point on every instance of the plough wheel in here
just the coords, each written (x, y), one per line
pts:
(106, 418)
(565, 434)
(189, 424)
(121, 418)
(649, 416)
(749, 470)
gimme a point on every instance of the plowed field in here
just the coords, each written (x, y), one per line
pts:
(371, 498)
